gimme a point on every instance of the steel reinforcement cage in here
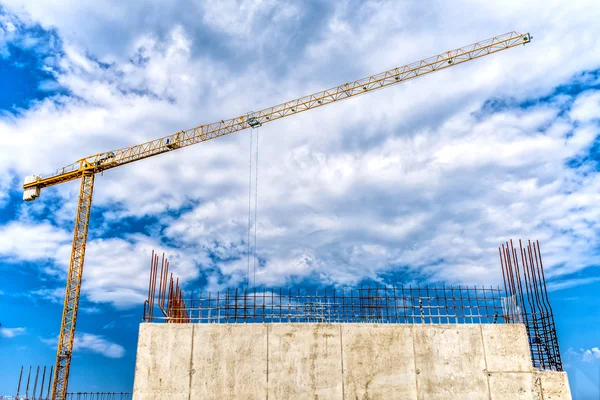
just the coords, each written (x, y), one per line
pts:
(523, 300)
(385, 305)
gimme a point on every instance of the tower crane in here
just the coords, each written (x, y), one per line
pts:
(86, 168)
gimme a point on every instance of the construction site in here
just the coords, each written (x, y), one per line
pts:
(366, 342)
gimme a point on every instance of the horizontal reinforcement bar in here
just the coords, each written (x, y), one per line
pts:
(396, 305)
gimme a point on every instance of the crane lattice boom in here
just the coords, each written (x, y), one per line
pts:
(111, 159)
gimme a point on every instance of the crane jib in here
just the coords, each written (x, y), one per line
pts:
(103, 161)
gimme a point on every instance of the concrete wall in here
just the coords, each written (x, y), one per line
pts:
(339, 361)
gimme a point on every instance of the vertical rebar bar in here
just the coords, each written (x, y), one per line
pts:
(42, 386)
(50, 379)
(35, 382)
(19, 384)
(27, 387)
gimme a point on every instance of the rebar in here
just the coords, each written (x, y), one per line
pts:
(169, 293)
(524, 300)
(527, 299)
(42, 376)
(394, 305)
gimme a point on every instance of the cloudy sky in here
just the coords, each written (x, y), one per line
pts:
(418, 183)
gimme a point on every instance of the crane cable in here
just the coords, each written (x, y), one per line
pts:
(252, 249)
(255, 205)
(249, 208)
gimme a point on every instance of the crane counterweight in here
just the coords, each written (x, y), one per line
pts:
(33, 192)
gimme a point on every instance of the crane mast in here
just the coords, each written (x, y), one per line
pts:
(86, 168)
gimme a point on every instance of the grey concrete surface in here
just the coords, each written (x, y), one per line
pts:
(513, 385)
(372, 366)
(555, 385)
(450, 361)
(340, 361)
(500, 356)
(162, 368)
(216, 372)
(305, 361)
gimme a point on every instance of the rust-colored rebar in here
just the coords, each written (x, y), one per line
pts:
(525, 285)
(169, 298)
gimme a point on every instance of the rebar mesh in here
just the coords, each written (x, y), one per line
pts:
(99, 396)
(395, 305)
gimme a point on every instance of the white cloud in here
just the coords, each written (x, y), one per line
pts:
(569, 283)
(585, 355)
(54, 295)
(87, 342)
(587, 107)
(110, 325)
(348, 216)
(414, 179)
(116, 270)
(31, 241)
(11, 332)
(90, 310)
(98, 344)
(237, 18)
(591, 354)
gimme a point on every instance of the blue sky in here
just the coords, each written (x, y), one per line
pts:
(415, 184)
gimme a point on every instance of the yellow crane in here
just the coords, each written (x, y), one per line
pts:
(86, 168)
